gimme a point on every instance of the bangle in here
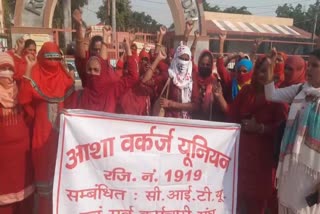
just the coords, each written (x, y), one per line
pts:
(158, 45)
(28, 78)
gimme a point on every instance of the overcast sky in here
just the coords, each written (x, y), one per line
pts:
(160, 11)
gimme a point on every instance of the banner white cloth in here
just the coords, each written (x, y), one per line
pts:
(120, 164)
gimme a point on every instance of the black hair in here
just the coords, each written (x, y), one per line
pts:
(316, 53)
(29, 42)
(94, 40)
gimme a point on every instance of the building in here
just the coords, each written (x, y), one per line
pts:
(242, 30)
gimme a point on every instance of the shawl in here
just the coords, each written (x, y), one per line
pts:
(301, 140)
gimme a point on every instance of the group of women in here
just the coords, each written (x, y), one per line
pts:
(257, 94)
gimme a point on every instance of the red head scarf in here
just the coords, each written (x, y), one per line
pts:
(283, 55)
(144, 54)
(50, 76)
(298, 73)
(9, 91)
(202, 76)
(261, 59)
(94, 94)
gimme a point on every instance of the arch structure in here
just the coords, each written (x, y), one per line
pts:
(39, 14)
(185, 10)
(34, 13)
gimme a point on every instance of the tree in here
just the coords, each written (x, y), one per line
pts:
(143, 22)
(126, 18)
(123, 13)
(207, 7)
(302, 19)
(241, 10)
(8, 8)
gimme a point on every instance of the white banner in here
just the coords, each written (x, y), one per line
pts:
(121, 164)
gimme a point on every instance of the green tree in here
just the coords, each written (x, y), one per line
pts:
(126, 18)
(8, 8)
(143, 22)
(303, 19)
(241, 10)
(208, 7)
(123, 13)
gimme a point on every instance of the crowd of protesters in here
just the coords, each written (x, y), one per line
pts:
(274, 97)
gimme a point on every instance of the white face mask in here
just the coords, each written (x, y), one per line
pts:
(182, 66)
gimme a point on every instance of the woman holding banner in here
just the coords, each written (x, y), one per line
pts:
(253, 112)
(298, 170)
(16, 183)
(46, 84)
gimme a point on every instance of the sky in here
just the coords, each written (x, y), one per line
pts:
(160, 11)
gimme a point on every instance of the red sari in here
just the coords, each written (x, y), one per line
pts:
(208, 109)
(138, 100)
(97, 95)
(44, 93)
(175, 95)
(81, 64)
(255, 177)
(16, 180)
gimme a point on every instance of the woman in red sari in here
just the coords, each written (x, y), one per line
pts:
(45, 87)
(206, 79)
(259, 119)
(183, 97)
(138, 99)
(16, 183)
(294, 71)
(98, 95)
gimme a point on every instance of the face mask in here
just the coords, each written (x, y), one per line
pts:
(182, 66)
(205, 71)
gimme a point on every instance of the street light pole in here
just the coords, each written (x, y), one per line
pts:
(315, 22)
(114, 22)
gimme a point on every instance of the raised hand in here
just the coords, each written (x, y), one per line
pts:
(107, 31)
(217, 89)
(257, 42)
(273, 54)
(189, 25)
(31, 60)
(163, 30)
(20, 43)
(162, 55)
(88, 32)
(223, 36)
(196, 34)
(77, 16)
